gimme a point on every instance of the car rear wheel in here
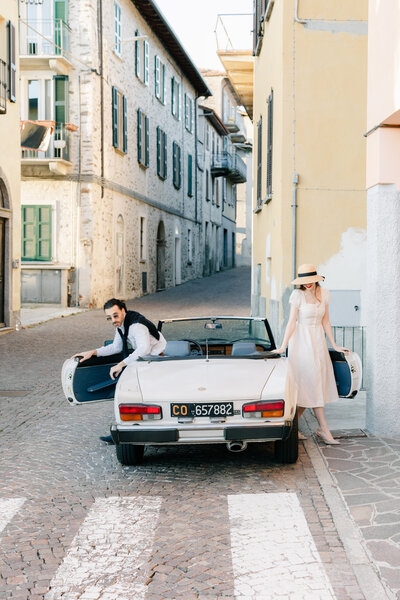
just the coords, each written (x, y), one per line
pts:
(287, 451)
(128, 454)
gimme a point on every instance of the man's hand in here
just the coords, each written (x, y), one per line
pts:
(116, 370)
(85, 355)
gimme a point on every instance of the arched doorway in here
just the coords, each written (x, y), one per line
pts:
(177, 256)
(160, 267)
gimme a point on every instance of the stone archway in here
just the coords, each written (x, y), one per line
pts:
(160, 267)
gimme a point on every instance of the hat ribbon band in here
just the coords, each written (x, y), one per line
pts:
(307, 274)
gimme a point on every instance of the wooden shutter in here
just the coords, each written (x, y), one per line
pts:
(259, 160)
(165, 156)
(147, 144)
(125, 125)
(139, 135)
(269, 143)
(191, 115)
(158, 151)
(36, 233)
(173, 105)
(115, 116)
(61, 98)
(61, 10)
(190, 176)
(137, 55)
(179, 167)
(164, 85)
(146, 61)
(28, 250)
(12, 63)
(174, 164)
(44, 233)
(157, 76)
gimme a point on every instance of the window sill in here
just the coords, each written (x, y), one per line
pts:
(142, 261)
(257, 210)
(267, 199)
(163, 102)
(144, 167)
(177, 187)
(189, 262)
(117, 54)
(118, 151)
(161, 177)
(190, 195)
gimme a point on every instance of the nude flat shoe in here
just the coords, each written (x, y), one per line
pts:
(301, 436)
(325, 439)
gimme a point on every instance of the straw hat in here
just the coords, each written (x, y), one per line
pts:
(307, 274)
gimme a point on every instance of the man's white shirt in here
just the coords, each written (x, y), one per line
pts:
(141, 340)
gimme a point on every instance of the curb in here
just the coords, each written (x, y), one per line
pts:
(366, 573)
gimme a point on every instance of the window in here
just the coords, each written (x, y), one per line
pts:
(189, 113)
(36, 233)
(12, 64)
(269, 144)
(117, 29)
(61, 99)
(142, 59)
(175, 98)
(259, 160)
(190, 175)
(161, 153)
(207, 184)
(159, 80)
(190, 247)
(176, 165)
(119, 120)
(142, 241)
(143, 146)
(258, 18)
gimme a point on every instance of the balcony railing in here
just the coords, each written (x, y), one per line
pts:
(59, 147)
(3, 87)
(45, 37)
(226, 165)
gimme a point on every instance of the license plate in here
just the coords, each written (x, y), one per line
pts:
(220, 409)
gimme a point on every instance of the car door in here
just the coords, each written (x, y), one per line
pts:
(89, 381)
(348, 373)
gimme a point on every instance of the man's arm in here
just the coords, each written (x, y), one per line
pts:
(113, 348)
(139, 337)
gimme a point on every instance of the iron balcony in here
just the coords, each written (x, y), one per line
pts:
(227, 165)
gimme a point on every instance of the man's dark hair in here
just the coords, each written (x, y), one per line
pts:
(115, 302)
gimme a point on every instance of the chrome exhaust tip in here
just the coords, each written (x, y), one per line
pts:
(236, 446)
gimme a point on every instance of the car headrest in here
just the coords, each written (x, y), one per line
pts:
(177, 348)
(244, 348)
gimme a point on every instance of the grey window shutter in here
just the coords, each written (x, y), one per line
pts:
(173, 105)
(139, 135)
(259, 160)
(125, 105)
(157, 76)
(146, 61)
(269, 143)
(12, 63)
(165, 157)
(137, 55)
(158, 151)
(179, 166)
(190, 177)
(174, 164)
(115, 116)
(147, 145)
(164, 85)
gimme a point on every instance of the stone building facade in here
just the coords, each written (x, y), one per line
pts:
(9, 167)
(118, 183)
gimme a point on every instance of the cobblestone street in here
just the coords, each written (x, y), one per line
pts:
(193, 522)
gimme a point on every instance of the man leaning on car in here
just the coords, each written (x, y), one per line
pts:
(133, 328)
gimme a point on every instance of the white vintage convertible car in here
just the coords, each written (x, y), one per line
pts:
(217, 382)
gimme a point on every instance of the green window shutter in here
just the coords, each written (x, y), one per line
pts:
(137, 55)
(179, 101)
(125, 105)
(28, 250)
(139, 135)
(164, 85)
(61, 10)
(12, 64)
(146, 61)
(44, 233)
(186, 110)
(115, 116)
(191, 115)
(173, 103)
(157, 76)
(147, 145)
(190, 165)
(61, 98)
(179, 166)
(174, 164)
(165, 157)
(158, 151)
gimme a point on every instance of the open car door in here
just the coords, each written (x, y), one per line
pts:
(348, 373)
(89, 381)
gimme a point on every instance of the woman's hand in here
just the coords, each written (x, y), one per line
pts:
(280, 350)
(116, 370)
(341, 349)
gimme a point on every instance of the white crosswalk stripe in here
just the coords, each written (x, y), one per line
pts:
(8, 508)
(273, 552)
(108, 557)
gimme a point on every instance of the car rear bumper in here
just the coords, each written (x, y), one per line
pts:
(187, 435)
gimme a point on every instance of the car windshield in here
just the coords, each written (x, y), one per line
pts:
(217, 330)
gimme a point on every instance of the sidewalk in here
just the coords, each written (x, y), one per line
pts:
(40, 314)
(366, 471)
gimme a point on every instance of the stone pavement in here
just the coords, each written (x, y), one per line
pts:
(191, 522)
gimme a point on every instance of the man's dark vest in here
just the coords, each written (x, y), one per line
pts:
(131, 318)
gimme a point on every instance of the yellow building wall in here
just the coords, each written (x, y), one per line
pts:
(10, 172)
(318, 73)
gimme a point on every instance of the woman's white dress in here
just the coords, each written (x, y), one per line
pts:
(310, 367)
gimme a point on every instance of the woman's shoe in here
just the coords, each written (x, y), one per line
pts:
(330, 441)
(301, 436)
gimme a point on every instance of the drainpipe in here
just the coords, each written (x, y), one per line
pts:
(195, 157)
(295, 181)
(100, 58)
(78, 196)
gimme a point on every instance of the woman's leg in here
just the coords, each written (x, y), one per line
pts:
(300, 410)
(324, 429)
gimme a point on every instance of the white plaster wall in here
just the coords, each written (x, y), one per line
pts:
(383, 311)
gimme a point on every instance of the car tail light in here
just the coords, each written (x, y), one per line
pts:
(275, 408)
(139, 412)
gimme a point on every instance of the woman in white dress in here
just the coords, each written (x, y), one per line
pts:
(309, 364)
